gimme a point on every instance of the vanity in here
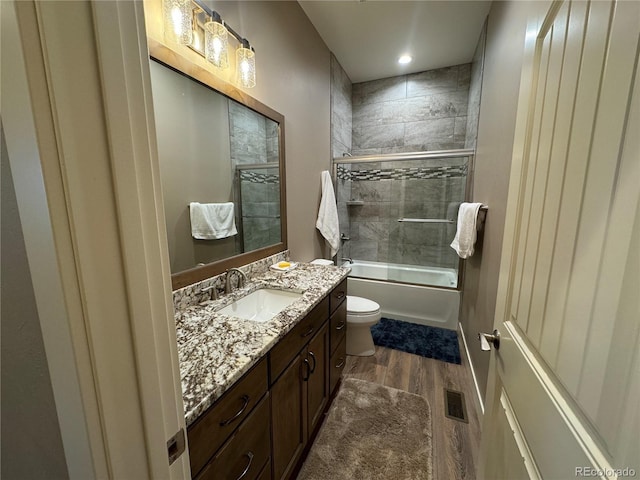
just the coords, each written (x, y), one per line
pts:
(255, 392)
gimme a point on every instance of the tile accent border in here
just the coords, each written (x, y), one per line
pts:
(418, 173)
(254, 177)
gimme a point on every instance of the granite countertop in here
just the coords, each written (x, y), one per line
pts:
(215, 350)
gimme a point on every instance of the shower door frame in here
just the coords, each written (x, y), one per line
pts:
(427, 155)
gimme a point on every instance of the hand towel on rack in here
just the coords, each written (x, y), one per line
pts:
(466, 233)
(327, 221)
(210, 221)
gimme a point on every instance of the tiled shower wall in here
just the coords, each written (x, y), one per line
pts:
(410, 113)
(475, 90)
(341, 114)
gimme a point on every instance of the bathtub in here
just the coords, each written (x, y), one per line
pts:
(426, 305)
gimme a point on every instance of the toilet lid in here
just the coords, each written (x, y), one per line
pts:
(361, 305)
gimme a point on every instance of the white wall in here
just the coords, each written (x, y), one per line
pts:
(502, 65)
(32, 443)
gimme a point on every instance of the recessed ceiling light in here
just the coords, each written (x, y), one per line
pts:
(405, 59)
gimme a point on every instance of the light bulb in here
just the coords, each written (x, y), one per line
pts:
(246, 66)
(216, 41)
(177, 21)
(405, 59)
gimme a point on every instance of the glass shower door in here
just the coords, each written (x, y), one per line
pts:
(426, 195)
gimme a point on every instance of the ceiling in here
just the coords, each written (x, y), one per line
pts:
(367, 37)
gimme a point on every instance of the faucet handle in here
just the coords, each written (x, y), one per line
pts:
(212, 289)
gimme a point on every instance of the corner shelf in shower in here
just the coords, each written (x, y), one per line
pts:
(355, 203)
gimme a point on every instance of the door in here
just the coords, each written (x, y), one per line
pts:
(564, 386)
(318, 382)
(288, 421)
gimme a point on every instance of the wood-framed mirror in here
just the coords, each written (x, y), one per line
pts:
(216, 145)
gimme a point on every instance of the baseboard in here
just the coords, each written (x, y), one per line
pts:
(479, 402)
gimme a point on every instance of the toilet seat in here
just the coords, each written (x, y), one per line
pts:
(361, 306)
(362, 314)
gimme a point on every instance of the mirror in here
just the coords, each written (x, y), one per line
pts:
(226, 155)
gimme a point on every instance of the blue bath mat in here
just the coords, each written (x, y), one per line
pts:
(432, 342)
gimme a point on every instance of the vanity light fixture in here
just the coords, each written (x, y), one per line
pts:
(178, 17)
(246, 65)
(404, 59)
(216, 42)
(192, 23)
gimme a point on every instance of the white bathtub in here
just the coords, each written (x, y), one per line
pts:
(426, 305)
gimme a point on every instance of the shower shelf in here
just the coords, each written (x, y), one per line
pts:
(355, 203)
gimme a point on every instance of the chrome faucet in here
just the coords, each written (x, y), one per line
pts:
(348, 259)
(242, 279)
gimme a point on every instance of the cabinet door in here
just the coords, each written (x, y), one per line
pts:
(288, 416)
(318, 382)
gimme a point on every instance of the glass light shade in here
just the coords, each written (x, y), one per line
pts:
(178, 21)
(246, 67)
(216, 43)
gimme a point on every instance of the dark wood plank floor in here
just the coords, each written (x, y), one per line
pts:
(455, 444)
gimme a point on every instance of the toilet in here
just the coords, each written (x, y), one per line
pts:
(362, 314)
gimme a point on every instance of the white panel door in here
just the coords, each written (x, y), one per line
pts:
(564, 385)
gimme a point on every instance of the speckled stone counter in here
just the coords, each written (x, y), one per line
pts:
(215, 350)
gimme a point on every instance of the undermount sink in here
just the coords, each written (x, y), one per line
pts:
(261, 305)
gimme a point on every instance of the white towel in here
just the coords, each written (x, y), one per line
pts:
(466, 233)
(327, 222)
(211, 221)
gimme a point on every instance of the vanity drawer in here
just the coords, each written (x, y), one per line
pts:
(215, 426)
(337, 363)
(282, 354)
(338, 295)
(338, 326)
(247, 451)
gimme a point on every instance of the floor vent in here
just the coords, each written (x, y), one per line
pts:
(454, 405)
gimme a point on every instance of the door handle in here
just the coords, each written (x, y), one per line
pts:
(245, 402)
(249, 455)
(487, 338)
(306, 362)
(313, 357)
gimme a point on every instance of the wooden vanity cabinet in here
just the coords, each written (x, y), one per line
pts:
(261, 427)
(298, 400)
(217, 424)
(247, 452)
(338, 335)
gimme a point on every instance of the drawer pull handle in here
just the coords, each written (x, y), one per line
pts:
(309, 332)
(249, 455)
(340, 296)
(313, 357)
(245, 399)
(341, 326)
(306, 362)
(341, 364)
